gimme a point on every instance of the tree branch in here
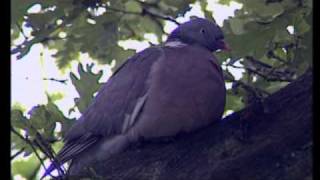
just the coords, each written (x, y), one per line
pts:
(24, 47)
(63, 81)
(22, 32)
(268, 72)
(164, 17)
(17, 153)
(31, 145)
(144, 12)
(29, 142)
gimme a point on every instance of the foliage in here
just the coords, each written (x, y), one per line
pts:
(86, 86)
(269, 55)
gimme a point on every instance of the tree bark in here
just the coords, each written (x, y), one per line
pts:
(267, 140)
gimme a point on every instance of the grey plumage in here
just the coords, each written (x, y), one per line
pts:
(161, 91)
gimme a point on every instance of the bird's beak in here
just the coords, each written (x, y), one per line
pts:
(223, 45)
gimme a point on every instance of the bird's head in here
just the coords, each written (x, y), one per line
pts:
(200, 32)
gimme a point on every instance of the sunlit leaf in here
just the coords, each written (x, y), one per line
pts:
(237, 26)
(133, 6)
(26, 168)
(86, 85)
(18, 119)
(225, 2)
(56, 96)
(233, 102)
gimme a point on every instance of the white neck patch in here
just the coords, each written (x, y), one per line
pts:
(175, 44)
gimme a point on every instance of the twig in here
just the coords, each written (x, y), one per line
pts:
(121, 10)
(29, 142)
(161, 27)
(274, 56)
(17, 153)
(234, 66)
(152, 14)
(247, 87)
(252, 89)
(152, 4)
(22, 32)
(24, 47)
(31, 145)
(271, 77)
(145, 11)
(47, 150)
(257, 62)
(271, 73)
(63, 81)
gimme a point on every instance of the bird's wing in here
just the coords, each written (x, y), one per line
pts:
(117, 98)
(114, 107)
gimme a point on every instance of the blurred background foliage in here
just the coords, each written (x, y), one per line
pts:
(271, 44)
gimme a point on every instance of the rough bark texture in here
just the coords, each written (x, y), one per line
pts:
(277, 144)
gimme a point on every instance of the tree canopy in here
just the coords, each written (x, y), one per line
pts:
(271, 43)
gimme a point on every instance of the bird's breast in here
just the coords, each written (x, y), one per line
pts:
(186, 93)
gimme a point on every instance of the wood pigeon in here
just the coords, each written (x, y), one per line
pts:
(159, 92)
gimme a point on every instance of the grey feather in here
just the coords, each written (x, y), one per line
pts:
(161, 91)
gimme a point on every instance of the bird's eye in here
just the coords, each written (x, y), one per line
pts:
(202, 31)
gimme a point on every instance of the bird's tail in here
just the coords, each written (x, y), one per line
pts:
(106, 148)
(68, 152)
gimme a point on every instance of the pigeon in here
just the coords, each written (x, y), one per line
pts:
(172, 88)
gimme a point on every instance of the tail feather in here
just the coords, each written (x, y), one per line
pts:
(105, 149)
(69, 151)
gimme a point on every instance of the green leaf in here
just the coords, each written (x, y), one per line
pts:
(38, 21)
(175, 8)
(121, 55)
(151, 26)
(222, 56)
(243, 45)
(17, 144)
(133, 6)
(15, 32)
(26, 168)
(224, 2)
(18, 120)
(68, 53)
(303, 56)
(43, 118)
(262, 9)
(66, 125)
(57, 146)
(18, 106)
(237, 25)
(233, 102)
(86, 85)
(275, 86)
(228, 76)
(19, 9)
(283, 36)
(280, 53)
(56, 96)
(300, 25)
(39, 117)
